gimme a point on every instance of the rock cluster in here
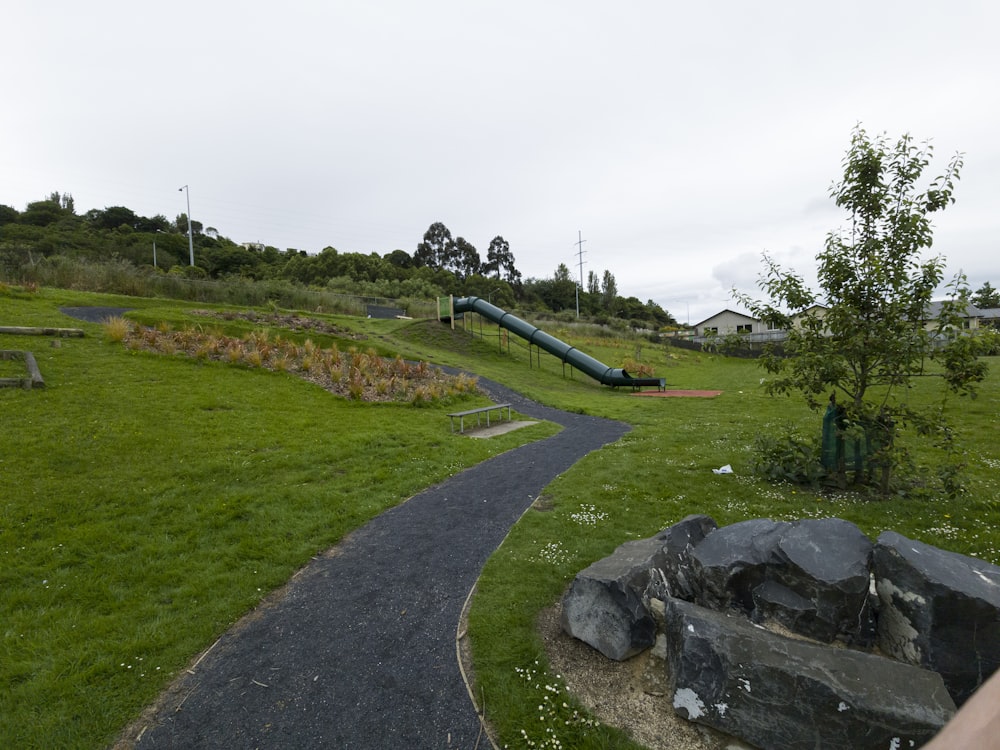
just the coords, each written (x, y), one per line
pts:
(800, 634)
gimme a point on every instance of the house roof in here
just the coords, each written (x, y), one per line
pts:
(723, 312)
(933, 310)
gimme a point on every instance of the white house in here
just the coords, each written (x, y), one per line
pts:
(725, 323)
(970, 316)
(816, 311)
(729, 322)
(990, 317)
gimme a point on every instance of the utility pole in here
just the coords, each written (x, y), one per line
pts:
(579, 253)
(190, 234)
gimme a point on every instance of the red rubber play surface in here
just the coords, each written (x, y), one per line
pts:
(678, 394)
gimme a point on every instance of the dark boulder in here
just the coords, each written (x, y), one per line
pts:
(938, 609)
(607, 605)
(732, 561)
(826, 562)
(604, 605)
(810, 576)
(675, 577)
(778, 692)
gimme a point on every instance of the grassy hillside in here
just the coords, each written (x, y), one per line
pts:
(148, 501)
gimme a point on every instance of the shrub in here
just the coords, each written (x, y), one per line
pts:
(787, 458)
(989, 342)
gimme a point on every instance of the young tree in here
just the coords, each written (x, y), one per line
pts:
(871, 337)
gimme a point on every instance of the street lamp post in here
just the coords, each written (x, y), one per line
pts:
(158, 231)
(187, 192)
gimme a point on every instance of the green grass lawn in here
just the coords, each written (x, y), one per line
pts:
(660, 473)
(148, 501)
(13, 366)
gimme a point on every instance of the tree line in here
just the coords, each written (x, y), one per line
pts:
(440, 264)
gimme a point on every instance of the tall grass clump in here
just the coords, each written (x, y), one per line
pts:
(116, 329)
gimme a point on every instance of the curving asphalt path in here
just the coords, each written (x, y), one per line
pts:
(359, 652)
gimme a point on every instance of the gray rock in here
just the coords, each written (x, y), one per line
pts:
(774, 602)
(939, 609)
(607, 605)
(810, 576)
(827, 562)
(675, 572)
(604, 605)
(732, 561)
(778, 692)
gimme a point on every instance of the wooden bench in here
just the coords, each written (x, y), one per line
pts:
(461, 415)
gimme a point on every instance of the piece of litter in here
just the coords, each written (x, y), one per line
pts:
(727, 469)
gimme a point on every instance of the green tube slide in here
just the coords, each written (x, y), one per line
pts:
(583, 362)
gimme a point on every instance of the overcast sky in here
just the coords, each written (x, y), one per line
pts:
(681, 140)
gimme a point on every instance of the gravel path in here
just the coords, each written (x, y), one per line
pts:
(94, 314)
(358, 651)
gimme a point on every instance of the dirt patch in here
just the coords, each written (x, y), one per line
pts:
(291, 321)
(631, 695)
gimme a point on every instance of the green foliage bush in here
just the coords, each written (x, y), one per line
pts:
(787, 458)
(119, 276)
(989, 342)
